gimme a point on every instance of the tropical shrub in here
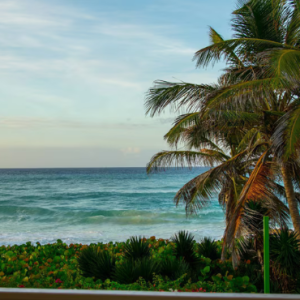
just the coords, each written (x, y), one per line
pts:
(96, 263)
(285, 257)
(185, 246)
(173, 268)
(209, 248)
(131, 270)
(136, 248)
(57, 266)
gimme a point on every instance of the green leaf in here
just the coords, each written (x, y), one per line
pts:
(246, 280)
(206, 270)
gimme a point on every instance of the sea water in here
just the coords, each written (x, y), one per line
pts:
(98, 205)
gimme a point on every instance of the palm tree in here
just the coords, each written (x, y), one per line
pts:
(262, 99)
(267, 42)
(228, 173)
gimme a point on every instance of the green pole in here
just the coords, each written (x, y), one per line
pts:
(266, 256)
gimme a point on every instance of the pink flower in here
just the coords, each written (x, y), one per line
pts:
(58, 280)
(21, 286)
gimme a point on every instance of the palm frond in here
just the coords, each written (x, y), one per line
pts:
(165, 159)
(285, 62)
(286, 138)
(254, 189)
(214, 52)
(250, 136)
(260, 19)
(229, 54)
(244, 95)
(175, 95)
(189, 129)
(292, 36)
(197, 192)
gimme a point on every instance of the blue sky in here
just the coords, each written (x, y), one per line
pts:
(74, 74)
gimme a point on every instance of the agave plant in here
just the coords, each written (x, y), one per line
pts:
(285, 257)
(136, 248)
(131, 270)
(284, 251)
(209, 248)
(185, 248)
(173, 267)
(96, 263)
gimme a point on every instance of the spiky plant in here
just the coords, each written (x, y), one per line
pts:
(208, 248)
(173, 268)
(285, 257)
(96, 263)
(284, 251)
(185, 248)
(136, 248)
(131, 270)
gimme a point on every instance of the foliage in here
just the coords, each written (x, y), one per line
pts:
(284, 251)
(96, 263)
(246, 126)
(185, 246)
(57, 266)
(136, 247)
(131, 270)
(209, 248)
(173, 268)
(285, 257)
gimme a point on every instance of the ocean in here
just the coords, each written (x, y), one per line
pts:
(98, 205)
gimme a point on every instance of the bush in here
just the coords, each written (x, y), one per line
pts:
(131, 270)
(285, 257)
(185, 245)
(209, 248)
(95, 263)
(284, 251)
(136, 248)
(173, 268)
(56, 266)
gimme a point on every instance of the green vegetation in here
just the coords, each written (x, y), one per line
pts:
(166, 266)
(245, 127)
(108, 266)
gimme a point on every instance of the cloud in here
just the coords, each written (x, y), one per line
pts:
(130, 150)
(73, 72)
(42, 123)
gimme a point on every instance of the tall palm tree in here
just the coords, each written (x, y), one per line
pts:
(228, 173)
(263, 99)
(267, 42)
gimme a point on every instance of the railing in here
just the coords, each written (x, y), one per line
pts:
(44, 294)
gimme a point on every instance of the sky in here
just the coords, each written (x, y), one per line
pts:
(74, 75)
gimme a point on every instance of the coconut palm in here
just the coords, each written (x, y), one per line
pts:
(251, 92)
(201, 137)
(267, 42)
(228, 173)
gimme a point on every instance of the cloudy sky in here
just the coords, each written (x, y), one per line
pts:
(74, 74)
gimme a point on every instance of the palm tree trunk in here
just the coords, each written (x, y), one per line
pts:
(291, 199)
(230, 207)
